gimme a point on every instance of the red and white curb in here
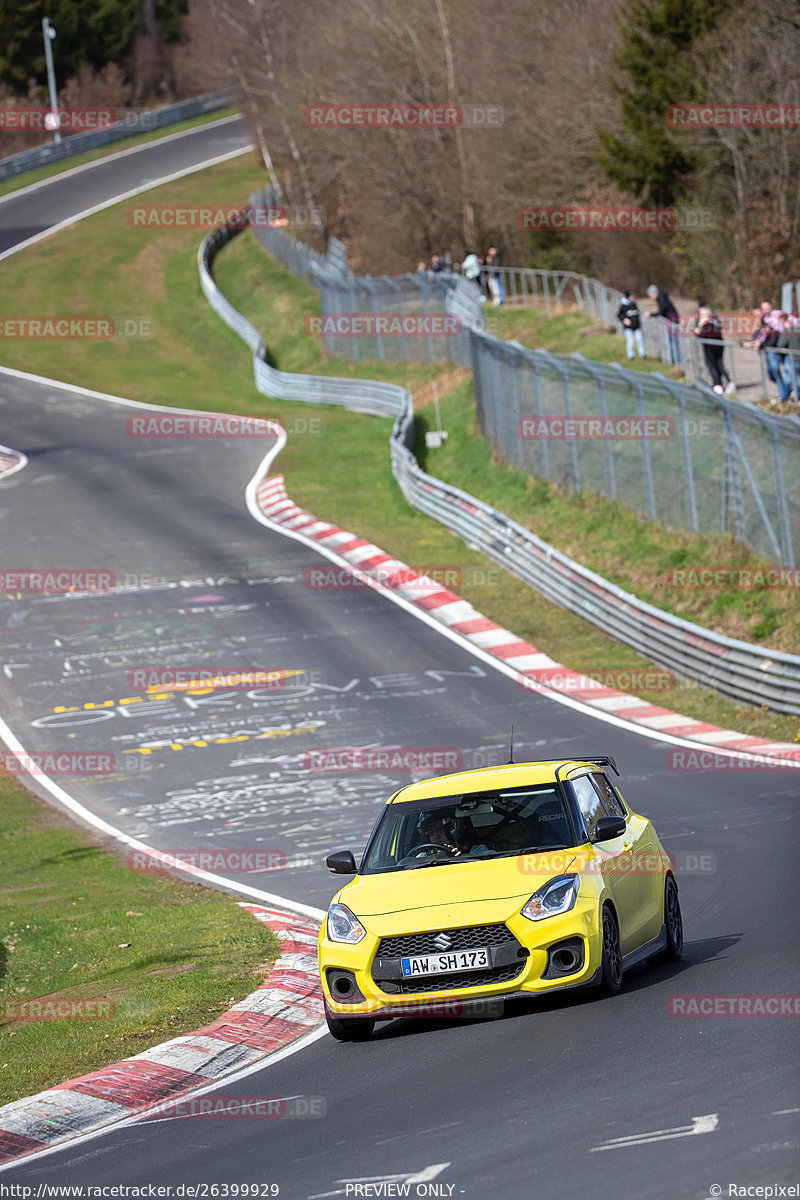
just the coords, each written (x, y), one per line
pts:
(537, 672)
(11, 461)
(287, 1005)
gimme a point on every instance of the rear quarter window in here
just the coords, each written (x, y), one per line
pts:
(613, 805)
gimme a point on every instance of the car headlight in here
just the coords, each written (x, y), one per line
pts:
(553, 898)
(343, 926)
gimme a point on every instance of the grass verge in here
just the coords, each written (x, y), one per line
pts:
(345, 475)
(166, 956)
(79, 160)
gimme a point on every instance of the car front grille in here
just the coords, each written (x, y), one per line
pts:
(395, 948)
(462, 939)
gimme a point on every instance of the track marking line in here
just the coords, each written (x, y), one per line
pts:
(705, 1124)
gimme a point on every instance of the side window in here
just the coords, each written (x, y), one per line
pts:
(609, 796)
(589, 802)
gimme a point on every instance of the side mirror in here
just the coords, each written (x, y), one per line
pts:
(607, 828)
(341, 862)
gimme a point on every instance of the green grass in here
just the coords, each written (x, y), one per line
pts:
(167, 955)
(345, 475)
(566, 332)
(79, 160)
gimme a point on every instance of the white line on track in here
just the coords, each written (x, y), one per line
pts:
(704, 1124)
(107, 158)
(23, 462)
(146, 187)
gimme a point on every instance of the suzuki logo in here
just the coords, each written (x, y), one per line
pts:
(443, 941)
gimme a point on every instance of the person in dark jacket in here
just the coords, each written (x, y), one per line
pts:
(666, 309)
(631, 320)
(708, 328)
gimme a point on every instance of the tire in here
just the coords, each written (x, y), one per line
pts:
(348, 1029)
(611, 968)
(673, 920)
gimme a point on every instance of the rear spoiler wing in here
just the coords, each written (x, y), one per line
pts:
(600, 760)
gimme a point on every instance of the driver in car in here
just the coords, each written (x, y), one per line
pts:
(436, 830)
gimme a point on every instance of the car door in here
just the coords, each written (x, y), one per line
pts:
(648, 860)
(616, 859)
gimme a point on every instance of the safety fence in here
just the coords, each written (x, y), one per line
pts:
(143, 122)
(688, 457)
(747, 673)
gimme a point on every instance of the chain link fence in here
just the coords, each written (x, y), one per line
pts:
(747, 673)
(681, 455)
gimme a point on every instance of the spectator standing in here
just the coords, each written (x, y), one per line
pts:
(436, 266)
(708, 327)
(483, 278)
(495, 278)
(765, 338)
(666, 309)
(471, 267)
(789, 341)
(630, 317)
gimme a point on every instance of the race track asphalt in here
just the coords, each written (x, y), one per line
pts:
(527, 1105)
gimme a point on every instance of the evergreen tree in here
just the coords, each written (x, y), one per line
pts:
(655, 71)
(87, 31)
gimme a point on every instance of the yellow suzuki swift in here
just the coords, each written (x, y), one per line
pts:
(514, 880)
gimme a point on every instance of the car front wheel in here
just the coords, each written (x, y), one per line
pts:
(348, 1029)
(611, 974)
(673, 921)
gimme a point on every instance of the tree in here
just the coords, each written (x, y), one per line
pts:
(656, 70)
(91, 32)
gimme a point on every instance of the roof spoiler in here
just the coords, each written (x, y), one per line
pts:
(602, 760)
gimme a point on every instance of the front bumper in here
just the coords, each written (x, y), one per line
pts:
(372, 998)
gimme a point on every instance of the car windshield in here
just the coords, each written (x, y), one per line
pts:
(469, 827)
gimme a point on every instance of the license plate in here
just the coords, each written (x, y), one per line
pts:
(440, 964)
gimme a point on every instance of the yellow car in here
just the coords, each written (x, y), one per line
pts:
(516, 880)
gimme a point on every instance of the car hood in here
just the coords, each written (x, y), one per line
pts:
(490, 891)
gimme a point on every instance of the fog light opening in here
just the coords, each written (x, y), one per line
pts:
(566, 961)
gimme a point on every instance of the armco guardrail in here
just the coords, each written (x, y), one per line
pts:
(144, 122)
(747, 673)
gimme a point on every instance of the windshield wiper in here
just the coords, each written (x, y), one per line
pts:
(435, 862)
(539, 849)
